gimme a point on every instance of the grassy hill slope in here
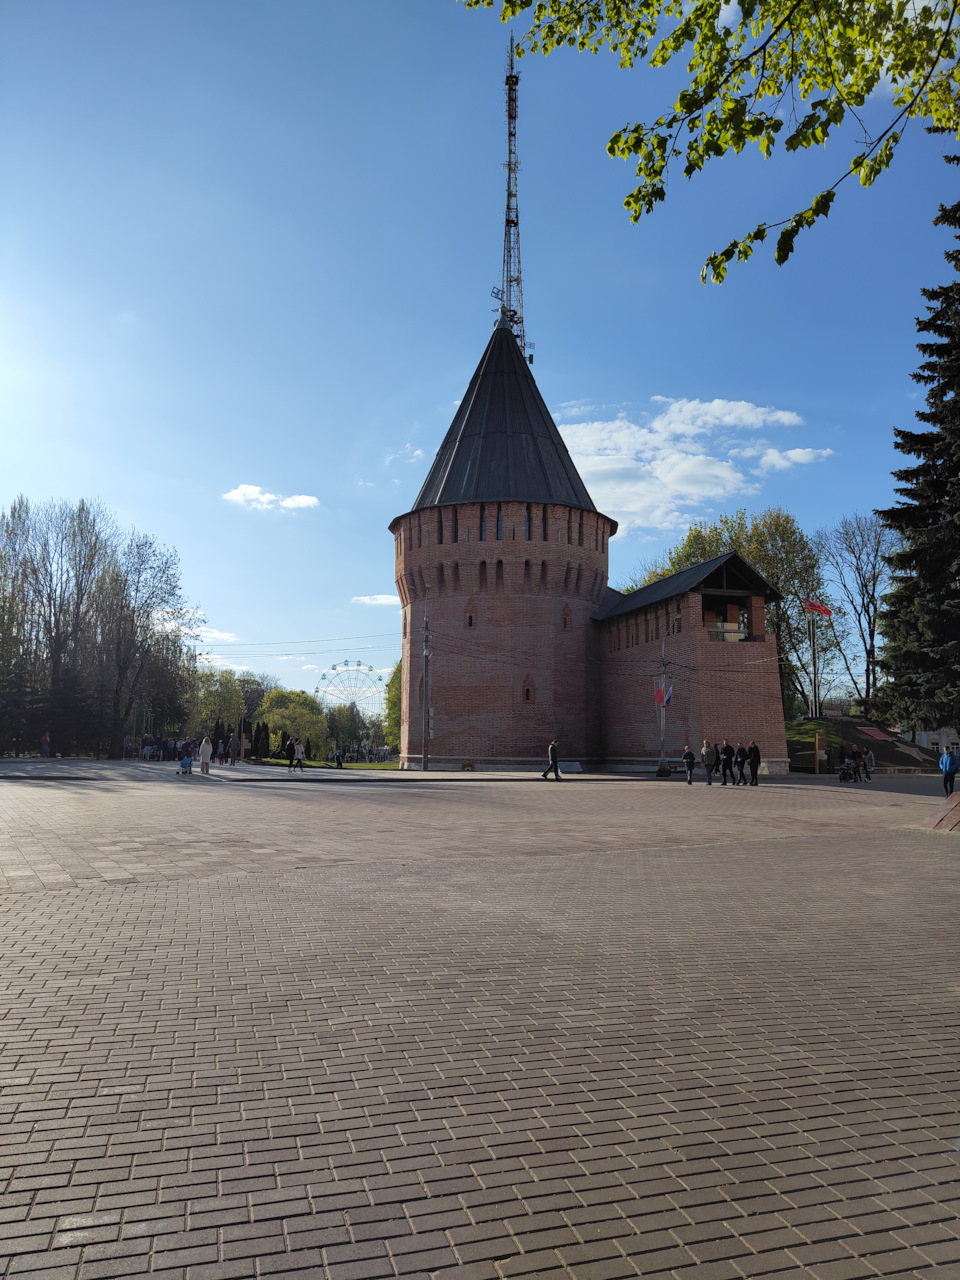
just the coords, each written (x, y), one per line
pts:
(891, 754)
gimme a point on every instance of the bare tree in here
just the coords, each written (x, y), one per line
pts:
(92, 622)
(854, 555)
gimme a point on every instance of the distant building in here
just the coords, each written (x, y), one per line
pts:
(939, 739)
(507, 554)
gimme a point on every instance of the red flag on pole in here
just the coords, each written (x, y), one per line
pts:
(814, 606)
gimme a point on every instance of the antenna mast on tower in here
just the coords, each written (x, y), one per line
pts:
(511, 284)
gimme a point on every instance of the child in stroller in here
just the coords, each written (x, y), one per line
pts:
(186, 764)
(848, 770)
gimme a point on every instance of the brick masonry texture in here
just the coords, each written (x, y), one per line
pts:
(536, 1031)
(516, 659)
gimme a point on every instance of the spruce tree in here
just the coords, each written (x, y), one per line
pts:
(921, 620)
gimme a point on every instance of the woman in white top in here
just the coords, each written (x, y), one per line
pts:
(205, 752)
(298, 754)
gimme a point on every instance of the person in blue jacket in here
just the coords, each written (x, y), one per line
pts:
(948, 766)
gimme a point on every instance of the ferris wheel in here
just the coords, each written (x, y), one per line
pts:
(352, 681)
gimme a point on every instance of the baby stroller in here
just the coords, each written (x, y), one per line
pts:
(846, 772)
(185, 766)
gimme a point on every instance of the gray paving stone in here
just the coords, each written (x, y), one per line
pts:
(596, 1041)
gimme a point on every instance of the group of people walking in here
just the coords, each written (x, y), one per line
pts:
(188, 751)
(855, 765)
(723, 760)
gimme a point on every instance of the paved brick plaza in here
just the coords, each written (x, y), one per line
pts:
(364, 1026)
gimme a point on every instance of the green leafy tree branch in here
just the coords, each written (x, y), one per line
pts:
(765, 68)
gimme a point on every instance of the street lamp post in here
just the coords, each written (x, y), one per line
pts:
(663, 769)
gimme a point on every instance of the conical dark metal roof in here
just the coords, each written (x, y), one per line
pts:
(503, 445)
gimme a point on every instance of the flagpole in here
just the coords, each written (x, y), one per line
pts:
(814, 607)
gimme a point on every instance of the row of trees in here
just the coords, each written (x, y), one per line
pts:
(259, 708)
(93, 626)
(846, 567)
(97, 645)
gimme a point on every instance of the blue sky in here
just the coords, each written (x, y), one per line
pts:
(247, 248)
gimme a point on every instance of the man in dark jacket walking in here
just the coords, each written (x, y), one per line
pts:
(553, 762)
(753, 759)
(689, 760)
(740, 760)
(726, 761)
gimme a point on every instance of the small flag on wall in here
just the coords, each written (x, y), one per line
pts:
(662, 696)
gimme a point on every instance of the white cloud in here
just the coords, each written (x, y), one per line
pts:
(365, 484)
(680, 459)
(570, 408)
(291, 657)
(383, 599)
(775, 460)
(309, 667)
(251, 495)
(407, 454)
(218, 662)
(208, 634)
(703, 415)
(298, 501)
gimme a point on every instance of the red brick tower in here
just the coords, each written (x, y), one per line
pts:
(507, 555)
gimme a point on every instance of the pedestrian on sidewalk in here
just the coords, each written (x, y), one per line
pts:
(233, 746)
(869, 762)
(753, 759)
(291, 753)
(205, 752)
(689, 761)
(553, 761)
(221, 752)
(298, 754)
(948, 766)
(726, 761)
(708, 758)
(45, 746)
(740, 760)
(716, 759)
(338, 756)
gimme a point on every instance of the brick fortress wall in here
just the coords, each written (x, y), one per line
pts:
(514, 655)
(720, 689)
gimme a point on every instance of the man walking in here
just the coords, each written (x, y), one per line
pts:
(753, 759)
(740, 760)
(233, 746)
(689, 760)
(553, 762)
(708, 758)
(948, 765)
(869, 762)
(726, 761)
